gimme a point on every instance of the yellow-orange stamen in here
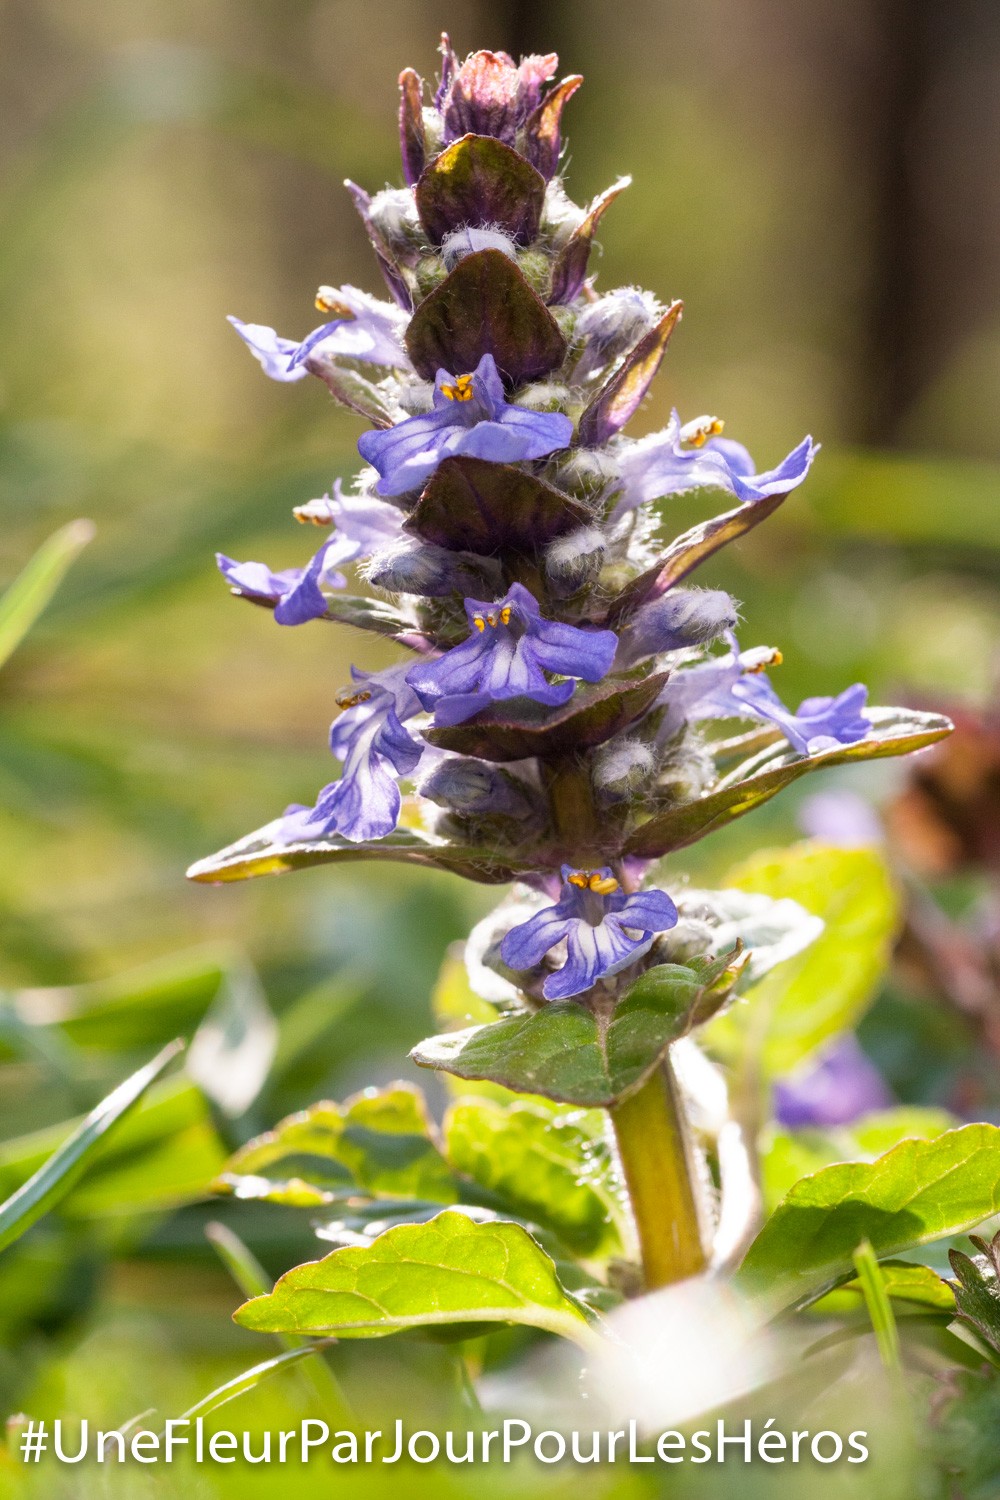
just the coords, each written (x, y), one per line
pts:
(579, 879)
(604, 885)
(479, 623)
(698, 432)
(505, 614)
(328, 302)
(461, 390)
(351, 697)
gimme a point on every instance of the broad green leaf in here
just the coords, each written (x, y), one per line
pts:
(908, 1281)
(878, 1132)
(258, 854)
(175, 1171)
(788, 1155)
(422, 1276)
(550, 1168)
(977, 1289)
(561, 1052)
(67, 1164)
(32, 589)
(895, 731)
(380, 1140)
(157, 1001)
(918, 1192)
(253, 1281)
(825, 988)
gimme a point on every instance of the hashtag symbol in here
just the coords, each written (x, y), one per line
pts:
(33, 1443)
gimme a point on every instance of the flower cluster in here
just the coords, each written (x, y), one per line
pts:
(555, 709)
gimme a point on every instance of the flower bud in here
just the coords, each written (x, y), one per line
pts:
(621, 767)
(536, 268)
(393, 213)
(681, 617)
(474, 787)
(587, 473)
(544, 395)
(612, 325)
(414, 567)
(428, 273)
(462, 242)
(571, 562)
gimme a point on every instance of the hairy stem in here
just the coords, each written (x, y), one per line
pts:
(652, 1144)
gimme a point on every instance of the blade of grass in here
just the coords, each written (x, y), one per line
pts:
(253, 1281)
(248, 1380)
(34, 586)
(879, 1308)
(67, 1164)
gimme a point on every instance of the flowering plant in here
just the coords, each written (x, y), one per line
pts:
(553, 722)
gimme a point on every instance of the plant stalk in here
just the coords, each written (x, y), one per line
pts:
(656, 1162)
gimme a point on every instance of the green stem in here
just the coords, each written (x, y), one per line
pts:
(655, 1159)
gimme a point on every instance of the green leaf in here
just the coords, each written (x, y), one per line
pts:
(826, 987)
(918, 1192)
(549, 1168)
(32, 589)
(479, 180)
(977, 1291)
(788, 1155)
(258, 854)
(485, 306)
(165, 1153)
(67, 1164)
(419, 1276)
(895, 731)
(561, 1052)
(379, 1140)
(908, 1281)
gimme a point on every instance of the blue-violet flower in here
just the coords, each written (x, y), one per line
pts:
(605, 930)
(696, 457)
(508, 651)
(734, 687)
(375, 748)
(362, 525)
(470, 416)
(362, 328)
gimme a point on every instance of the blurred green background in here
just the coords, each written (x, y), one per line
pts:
(819, 183)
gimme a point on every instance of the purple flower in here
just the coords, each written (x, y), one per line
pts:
(509, 650)
(363, 524)
(604, 929)
(470, 416)
(841, 818)
(819, 723)
(375, 748)
(734, 687)
(270, 349)
(363, 328)
(842, 1086)
(294, 592)
(695, 457)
